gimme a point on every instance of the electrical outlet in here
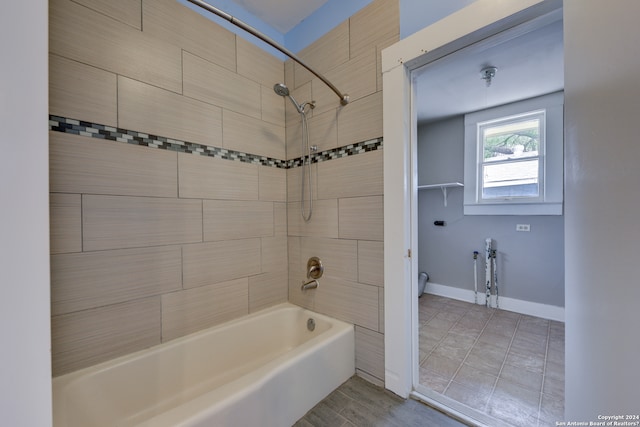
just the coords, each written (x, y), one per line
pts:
(523, 227)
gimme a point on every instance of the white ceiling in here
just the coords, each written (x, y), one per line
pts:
(282, 15)
(529, 62)
(528, 65)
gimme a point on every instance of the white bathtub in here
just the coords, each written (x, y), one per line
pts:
(265, 369)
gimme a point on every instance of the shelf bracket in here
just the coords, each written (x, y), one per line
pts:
(442, 187)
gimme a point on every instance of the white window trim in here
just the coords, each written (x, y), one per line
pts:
(552, 191)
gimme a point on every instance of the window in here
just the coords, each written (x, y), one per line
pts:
(513, 158)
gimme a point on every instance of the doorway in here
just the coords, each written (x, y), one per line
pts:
(402, 375)
(506, 363)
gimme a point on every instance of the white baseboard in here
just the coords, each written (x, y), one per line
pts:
(545, 311)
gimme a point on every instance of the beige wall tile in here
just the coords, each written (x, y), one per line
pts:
(273, 109)
(356, 77)
(301, 94)
(280, 219)
(209, 263)
(234, 219)
(294, 120)
(361, 218)
(267, 289)
(371, 262)
(250, 135)
(323, 130)
(339, 257)
(294, 136)
(296, 266)
(326, 53)
(157, 111)
(297, 296)
(191, 310)
(127, 11)
(88, 337)
(370, 352)
(65, 221)
(258, 65)
(360, 120)
(349, 301)
(82, 92)
(217, 85)
(378, 21)
(289, 78)
(174, 23)
(297, 276)
(379, 47)
(113, 222)
(294, 183)
(273, 183)
(323, 223)
(213, 178)
(274, 254)
(80, 164)
(84, 35)
(94, 279)
(351, 176)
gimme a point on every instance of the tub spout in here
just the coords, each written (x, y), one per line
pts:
(311, 284)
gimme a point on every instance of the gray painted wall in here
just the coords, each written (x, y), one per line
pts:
(530, 265)
(602, 206)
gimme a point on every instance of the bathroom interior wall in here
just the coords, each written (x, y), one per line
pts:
(530, 264)
(346, 229)
(602, 202)
(148, 244)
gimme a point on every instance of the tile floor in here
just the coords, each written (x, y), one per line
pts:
(359, 403)
(507, 365)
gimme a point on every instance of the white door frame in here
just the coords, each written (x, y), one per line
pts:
(479, 20)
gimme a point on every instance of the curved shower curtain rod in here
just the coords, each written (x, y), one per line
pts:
(344, 98)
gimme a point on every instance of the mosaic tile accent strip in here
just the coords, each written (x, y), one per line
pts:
(94, 130)
(337, 153)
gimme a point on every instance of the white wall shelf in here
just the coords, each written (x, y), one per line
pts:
(442, 187)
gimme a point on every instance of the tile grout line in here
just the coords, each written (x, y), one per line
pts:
(502, 366)
(519, 322)
(544, 371)
(469, 351)
(437, 344)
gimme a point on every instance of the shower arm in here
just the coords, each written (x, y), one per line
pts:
(344, 98)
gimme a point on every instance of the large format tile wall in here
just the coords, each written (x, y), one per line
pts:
(149, 244)
(346, 228)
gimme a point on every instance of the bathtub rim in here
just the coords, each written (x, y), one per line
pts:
(60, 382)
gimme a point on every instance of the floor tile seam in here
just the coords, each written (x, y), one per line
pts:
(467, 355)
(476, 391)
(544, 371)
(504, 363)
(339, 414)
(430, 351)
(420, 323)
(504, 360)
(441, 339)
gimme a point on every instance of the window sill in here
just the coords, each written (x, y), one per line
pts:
(514, 209)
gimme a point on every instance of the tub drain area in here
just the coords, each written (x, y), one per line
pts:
(311, 324)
